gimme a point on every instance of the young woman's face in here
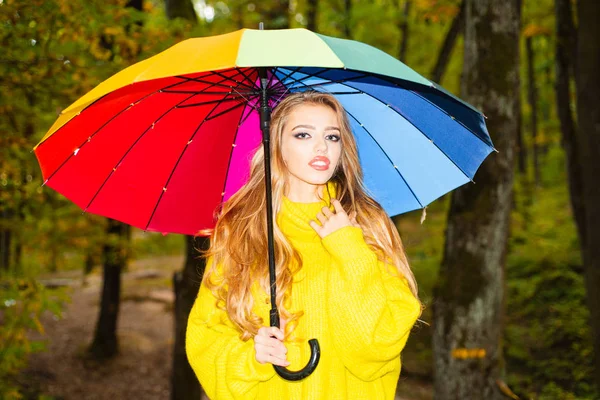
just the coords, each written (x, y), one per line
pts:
(311, 145)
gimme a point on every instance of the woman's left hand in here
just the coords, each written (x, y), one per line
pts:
(331, 222)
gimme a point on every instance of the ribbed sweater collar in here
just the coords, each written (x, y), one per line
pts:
(293, 218)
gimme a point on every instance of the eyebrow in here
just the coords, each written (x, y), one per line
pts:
(327, 128)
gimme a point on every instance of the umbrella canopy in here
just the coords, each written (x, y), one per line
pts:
(162, 143)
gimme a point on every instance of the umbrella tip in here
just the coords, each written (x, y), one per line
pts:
(261, 26)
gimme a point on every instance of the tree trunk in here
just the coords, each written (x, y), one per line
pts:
(276, 13)
(532, 98)
(347, 19)
(458, 25)
(180, 9)
(521, 148)
(237, 13)
(403, 27)
(114, 257)
(565, 38)
(469, 295)
(184, 383)
(5, 239)
(588, 140)
(312, 7)
(115, 253)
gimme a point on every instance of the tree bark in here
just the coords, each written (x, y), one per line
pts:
(403, 27)
(238, 13)
(115, 253)
(565, 37)
(5, 240)
(469, 295)
(114, 258)
(186, 283)
(532, 98)
(276, 13)
(458, 26)
(347, 19)
(588, 141)
(312, 8)
(180, 9)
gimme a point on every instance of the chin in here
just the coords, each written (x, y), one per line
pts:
(319, 179)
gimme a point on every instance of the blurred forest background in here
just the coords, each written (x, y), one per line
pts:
(54, 341)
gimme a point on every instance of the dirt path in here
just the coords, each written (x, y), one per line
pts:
(145, 329)
(142, 369)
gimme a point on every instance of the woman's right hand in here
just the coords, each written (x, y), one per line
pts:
(269, 347)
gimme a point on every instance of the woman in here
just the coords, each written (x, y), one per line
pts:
(342, 274)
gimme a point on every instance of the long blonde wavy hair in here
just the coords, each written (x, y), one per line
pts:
(238, 244)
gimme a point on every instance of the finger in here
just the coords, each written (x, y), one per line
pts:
(271, 346)
(268, 341)
(276, 332)
(277, 361)
(315, 226)
(338, 207)
(327, 212)
(267, 332)
(322, 219)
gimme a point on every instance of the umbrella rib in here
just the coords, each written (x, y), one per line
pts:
(203, 103)
(177, 163)
(342, 81)
(202, 92)
(224, 77)
(278, 84)
(225, 112)
(240, 122)
(103, 125)
(113, 117)
(250, 87)
(131, 147)
(196, 79)
(297, 69)
(456, 120)
(248, 115)
(329, 81)
(477, 135)
(249, 79)
(388, 158)
(423, 133)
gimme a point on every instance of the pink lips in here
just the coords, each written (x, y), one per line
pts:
(320, 163)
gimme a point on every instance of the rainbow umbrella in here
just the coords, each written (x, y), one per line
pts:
(161, 144)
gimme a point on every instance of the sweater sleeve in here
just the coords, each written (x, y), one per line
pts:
(371, 307)
(224, 364)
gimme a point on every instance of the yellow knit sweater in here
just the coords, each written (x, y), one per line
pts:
(359, 312)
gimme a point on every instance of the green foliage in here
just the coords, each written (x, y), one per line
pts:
(23, 301)
(548, 339)
(149, 244)
(54, 51)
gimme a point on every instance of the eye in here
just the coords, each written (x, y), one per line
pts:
(301, 135)
(333, 138)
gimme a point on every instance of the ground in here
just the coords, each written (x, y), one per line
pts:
(145, 330)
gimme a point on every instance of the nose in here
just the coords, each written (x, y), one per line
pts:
(321, 145)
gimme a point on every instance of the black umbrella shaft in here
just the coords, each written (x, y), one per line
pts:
(265, 126)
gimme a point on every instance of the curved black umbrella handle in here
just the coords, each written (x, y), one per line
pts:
(315, 355)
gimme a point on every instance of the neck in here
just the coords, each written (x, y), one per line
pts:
(302, 192)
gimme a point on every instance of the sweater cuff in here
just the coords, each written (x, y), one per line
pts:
(347, 244)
